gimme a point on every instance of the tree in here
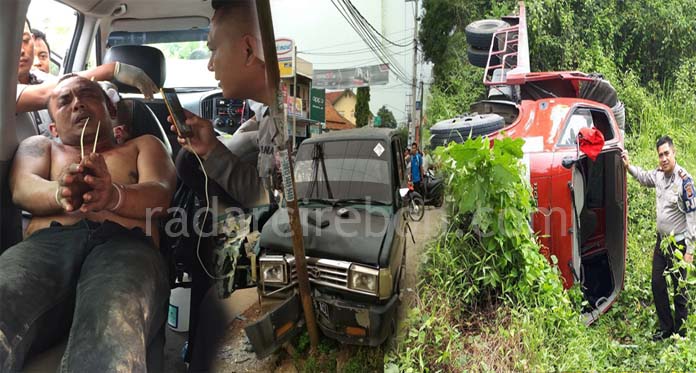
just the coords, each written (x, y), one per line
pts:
(362, 107)
(388, 120)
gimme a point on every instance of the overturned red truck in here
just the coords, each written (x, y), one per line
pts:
(578, 182)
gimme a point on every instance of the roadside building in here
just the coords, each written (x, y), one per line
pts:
(344, 102)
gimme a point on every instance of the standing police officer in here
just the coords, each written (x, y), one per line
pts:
(676, 215)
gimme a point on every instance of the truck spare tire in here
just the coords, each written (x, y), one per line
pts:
(459, 129)
(479, 57)
(480, 33)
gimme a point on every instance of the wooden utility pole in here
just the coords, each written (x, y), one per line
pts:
(263, 9)
(414, 128)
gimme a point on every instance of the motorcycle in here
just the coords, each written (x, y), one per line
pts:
(433, 195)
(433, 189)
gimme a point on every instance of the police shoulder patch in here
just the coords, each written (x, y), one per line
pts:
(688, 196)
(683, 174)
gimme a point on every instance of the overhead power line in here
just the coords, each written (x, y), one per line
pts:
(366, 33)
(348, 52)
(356, 12)
(343, 45)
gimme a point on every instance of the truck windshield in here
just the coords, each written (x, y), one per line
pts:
(356, 170)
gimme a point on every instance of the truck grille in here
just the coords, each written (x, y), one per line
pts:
(333, 273)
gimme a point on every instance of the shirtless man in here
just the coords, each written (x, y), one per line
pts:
(85, 254)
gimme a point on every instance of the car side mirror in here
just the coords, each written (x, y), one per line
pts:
(568, 162)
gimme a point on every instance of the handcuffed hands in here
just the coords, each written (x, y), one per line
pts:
(97, 177)
(136, 77)
(71, 187)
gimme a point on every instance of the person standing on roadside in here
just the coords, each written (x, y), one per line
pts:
(416, 168)
(676, 215)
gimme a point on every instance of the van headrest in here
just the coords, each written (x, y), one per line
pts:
(150, 59)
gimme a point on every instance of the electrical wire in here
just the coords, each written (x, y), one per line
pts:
(343, 53)
(375, 42)
(342, 45)
(366, 22)
(367, 27)
(370, 40)
(205, 217)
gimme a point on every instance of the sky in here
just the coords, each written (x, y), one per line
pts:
(320, 32)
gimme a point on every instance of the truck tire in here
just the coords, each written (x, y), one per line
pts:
(479, 34)
(459, 129)
(479, 57)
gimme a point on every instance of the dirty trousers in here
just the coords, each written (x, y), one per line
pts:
(664, 261)
(110, 281)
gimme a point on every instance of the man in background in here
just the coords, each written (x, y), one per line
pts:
(42, 52)
(416, 168)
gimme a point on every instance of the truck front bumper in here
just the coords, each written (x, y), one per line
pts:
(346, 321)
(355, 323)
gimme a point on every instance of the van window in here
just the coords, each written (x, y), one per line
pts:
(585, 118)
(58, 21)
(185, 51)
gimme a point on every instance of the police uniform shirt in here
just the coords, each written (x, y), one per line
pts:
(675, 201)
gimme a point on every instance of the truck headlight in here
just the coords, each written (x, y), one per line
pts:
(363, 279)
(274, 272)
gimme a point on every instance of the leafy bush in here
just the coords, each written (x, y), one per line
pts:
(489, 300)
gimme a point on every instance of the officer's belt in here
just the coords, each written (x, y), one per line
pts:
(677, 237)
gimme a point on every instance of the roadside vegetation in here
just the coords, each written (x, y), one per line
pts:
(491, 302)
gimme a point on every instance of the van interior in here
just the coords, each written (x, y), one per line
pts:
(599, 245)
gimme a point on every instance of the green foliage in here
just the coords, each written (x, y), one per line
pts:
(488, 300)
(388, 120)
(362, 107)
(529, 329)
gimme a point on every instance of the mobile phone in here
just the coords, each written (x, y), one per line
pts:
(177, 112)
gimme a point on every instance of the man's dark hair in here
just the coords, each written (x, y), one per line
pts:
(38, 34)
(415, 144)
(217, 4)
(664, 140)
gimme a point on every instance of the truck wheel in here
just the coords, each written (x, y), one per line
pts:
(479, 57)
(459, 129)
(479, 34)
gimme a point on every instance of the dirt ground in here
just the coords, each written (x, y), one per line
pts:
(235, 355)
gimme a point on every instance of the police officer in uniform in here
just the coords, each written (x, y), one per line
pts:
(676, 215)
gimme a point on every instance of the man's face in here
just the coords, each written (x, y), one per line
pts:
(72, 103)
(667, 158)
(42, 58)
(26, 55)
(227, 57)
(414, 149)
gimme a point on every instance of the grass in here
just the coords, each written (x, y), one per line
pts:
(445, 334)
